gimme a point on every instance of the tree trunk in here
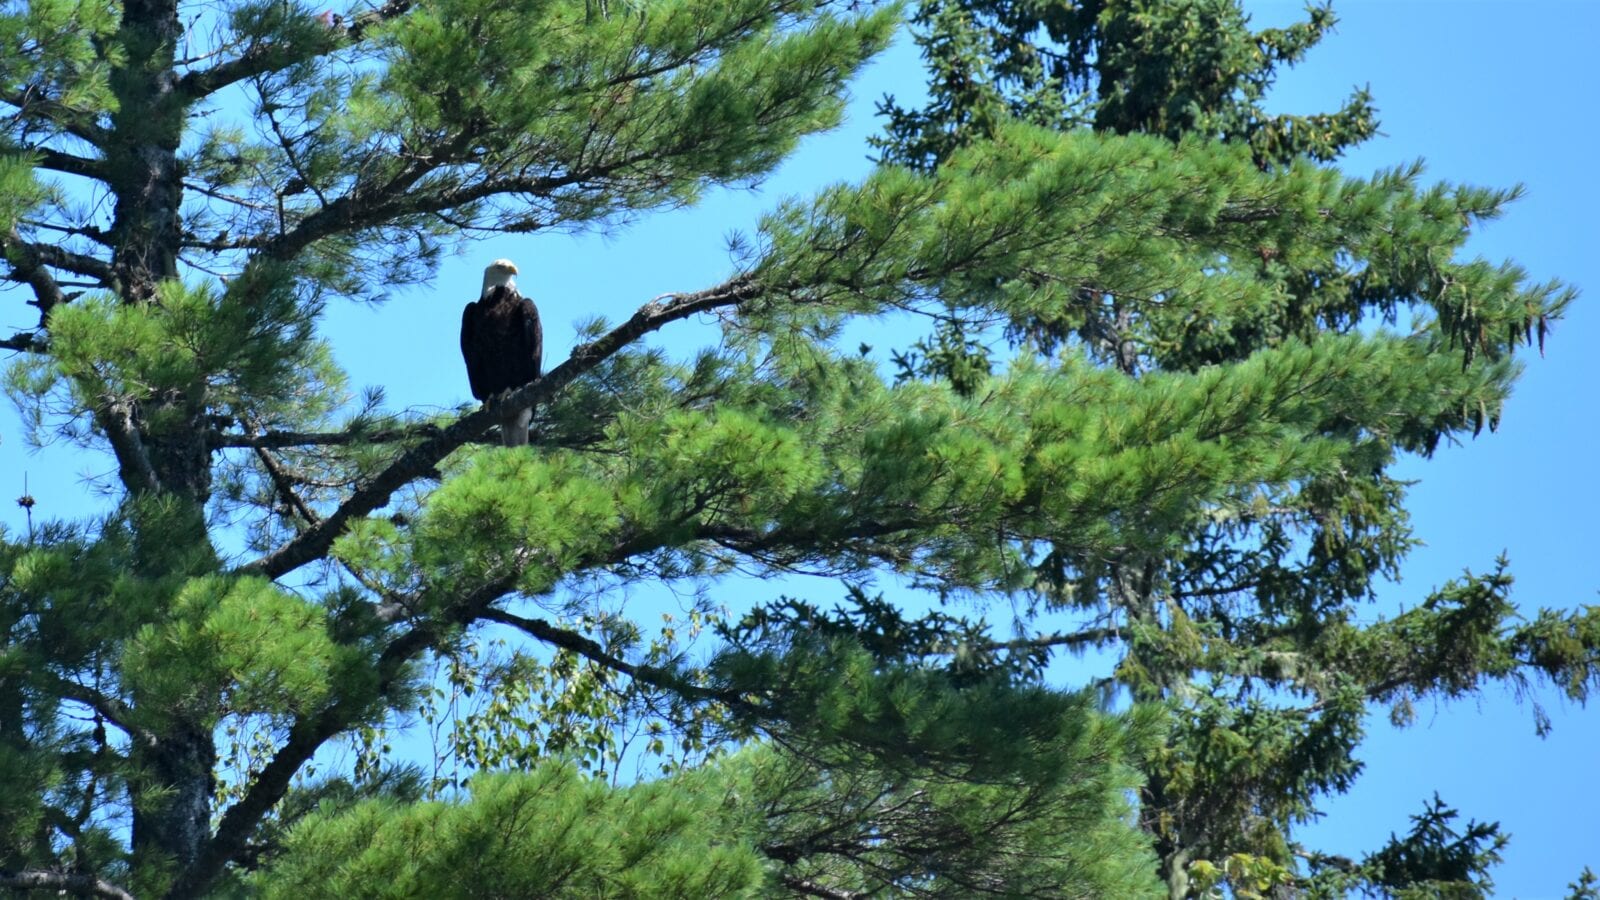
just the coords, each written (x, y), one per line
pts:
(163, 448)
(1163, 821)
(147, 229)
(1174, 871)
(1165, 817)
(172, 798)
(143, 153)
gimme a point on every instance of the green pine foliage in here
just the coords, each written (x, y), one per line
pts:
(824, 821)
(1433, 860)
(547, 832)
(759, 823)
(1246, 620)
(1164, 67)
(1219, 348)
(1586, 887)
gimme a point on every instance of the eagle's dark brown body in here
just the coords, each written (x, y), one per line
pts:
(502, 342)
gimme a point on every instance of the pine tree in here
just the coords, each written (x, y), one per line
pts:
(546, 833)
(1166, 67)
(1246, 622)
(184, 191)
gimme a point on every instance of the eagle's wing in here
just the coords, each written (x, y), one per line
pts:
(472, 352)
(533, 333)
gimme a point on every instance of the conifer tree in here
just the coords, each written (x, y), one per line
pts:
(185, 188)
(1245, 624)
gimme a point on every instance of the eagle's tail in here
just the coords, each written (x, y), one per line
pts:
(514, 424)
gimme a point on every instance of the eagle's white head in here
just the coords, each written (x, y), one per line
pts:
(501, 271)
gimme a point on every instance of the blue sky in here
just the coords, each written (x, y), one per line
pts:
(1487, 93)
(1493, 94)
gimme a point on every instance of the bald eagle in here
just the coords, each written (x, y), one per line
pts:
(502, 343)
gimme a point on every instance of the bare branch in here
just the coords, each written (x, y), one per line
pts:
(68, 163)
(76, 263)
(110, 708)
(283, 481)
(591, 650)
(98, 235)
(217, 194)
(419, 461)
(82, 885)
(285, 486)
(28, 269)
(24, 341)
(27, 256)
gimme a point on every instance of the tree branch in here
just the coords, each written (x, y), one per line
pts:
(25, 342)
(591, 650)
(1377, 692)
(133, 462)
(97, 235)
(420, 460)
(276, 440)
(31, 103)
(1218, 590)
(27, 269)
(28, 259)
(285, 486)
(374, 205)
(383, 203)
(394, 9)
(812, 889)
(82, 885)
(110, 708)
(1060, 639)
(264, 57)
(257, 59)
(284, 483)
(68, 163)
(308, 734)
(76, 263)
